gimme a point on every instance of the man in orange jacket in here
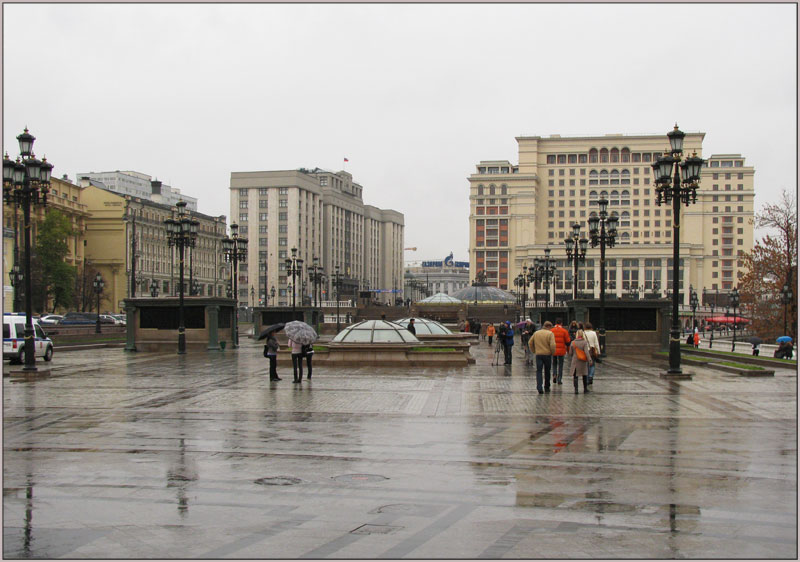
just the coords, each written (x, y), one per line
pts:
(562, 341)
(490, 333)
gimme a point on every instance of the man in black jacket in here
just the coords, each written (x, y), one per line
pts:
(411, 327)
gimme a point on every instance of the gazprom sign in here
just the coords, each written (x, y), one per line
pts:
(446, 262)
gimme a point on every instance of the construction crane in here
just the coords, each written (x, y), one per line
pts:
(414, 248)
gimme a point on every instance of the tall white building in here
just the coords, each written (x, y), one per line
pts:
(137, 184)
(322, 215)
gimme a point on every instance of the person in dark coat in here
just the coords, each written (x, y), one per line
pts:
(308, 351)
(411, 327)
(508, 341)
(271, 353)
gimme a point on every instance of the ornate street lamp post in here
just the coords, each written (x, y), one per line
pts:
(547, 273)
(576, 252)
(17, 280)
(599, 235)
(786, 299)
(734, 296)
(182, 233)
(27, 182)
(235, 250)
(294, 267)
(711, 305)
(676, 181)
(523, 282)
(316, 275)
(98, 285)
(272, 294)
(252, 297)
(693, 302)
(337, 281)
(154, 288)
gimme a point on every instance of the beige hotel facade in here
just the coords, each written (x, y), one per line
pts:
(518, 210)
(322, 214)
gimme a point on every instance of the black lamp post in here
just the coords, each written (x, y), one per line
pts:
(181, 232)
(195, 288)
(337, 281)
(576, 252)
(676, 181)
(599, 235)
(316, 275)
(523, 281)
(294, 267)
(154, 288)
(711, 305)
(786, 300)
(235, 250)
(98, 285)
(693, 302)
(25, 183)
(252, 297)
(17, 280)
(734, 296)
(272, 294)
(547, 273)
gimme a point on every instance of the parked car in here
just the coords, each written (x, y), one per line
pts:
(123, 320)
(109, 319)
(14, 339)
(50, 319)
(78, 318)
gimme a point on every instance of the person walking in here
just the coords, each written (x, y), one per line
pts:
(308, 352)
(562, 341)
(411, 327)
(696, 338)
(527, 334)
(490, 333)
(543, 346)
(484, 329)
(297, 360)
(573, 329)
(594, 343)
(508, 341)
(271, 352)
(581, 355)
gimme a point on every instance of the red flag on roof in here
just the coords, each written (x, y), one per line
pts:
(346, 160)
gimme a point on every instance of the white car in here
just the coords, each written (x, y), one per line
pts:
(14, 339)
(50, 319)
(121, 319)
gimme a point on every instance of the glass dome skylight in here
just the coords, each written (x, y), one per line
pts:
(375, 331)
(439, 298)
(484, 294)
(424, 326)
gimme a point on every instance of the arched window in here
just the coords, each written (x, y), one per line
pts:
(593, 214)
(625, 238)
(626, 177)
(625, 198)
(593, 177)
(614, 199)
(503, 190)
(603, 177)
(615, 155)
(625, 219)
(491, 190)
(626, 155)
(480, 190)
(615, 177)
(593, 156)
(604, 195)
(603, 155)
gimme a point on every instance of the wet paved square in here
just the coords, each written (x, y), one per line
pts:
(121, 455)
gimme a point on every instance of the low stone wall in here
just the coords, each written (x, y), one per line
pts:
(388, 355)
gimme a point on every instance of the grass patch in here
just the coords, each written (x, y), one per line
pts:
(741, 366)
(701, 359)
(689, 349)
(434, 349)
(321, 348)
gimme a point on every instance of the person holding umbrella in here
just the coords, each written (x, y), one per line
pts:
(756, 341)
(271, 349)
(300, 335)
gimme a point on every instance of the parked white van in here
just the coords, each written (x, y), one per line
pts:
(14, 339)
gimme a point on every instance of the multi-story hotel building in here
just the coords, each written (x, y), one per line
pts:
(139, 185)
(322, 214)
(518, 210)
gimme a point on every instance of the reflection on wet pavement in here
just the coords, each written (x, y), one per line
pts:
(199, 456)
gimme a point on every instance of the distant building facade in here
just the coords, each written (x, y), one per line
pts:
(443, 276)
(139, 185)
(518, 210)
(322, 214)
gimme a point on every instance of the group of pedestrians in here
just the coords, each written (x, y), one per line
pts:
(548, 347)
(299, 352)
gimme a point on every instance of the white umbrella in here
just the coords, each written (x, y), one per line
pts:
(300, 332)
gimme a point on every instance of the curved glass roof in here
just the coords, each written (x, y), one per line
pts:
(484, 293)
(375, 331)
(440, 298)
(424, 326)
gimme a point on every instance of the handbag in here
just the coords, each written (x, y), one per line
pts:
(266, 349)
(580, 354)
(595, 353)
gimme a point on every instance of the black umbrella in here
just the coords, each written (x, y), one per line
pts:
(269, 329)
(755, 341)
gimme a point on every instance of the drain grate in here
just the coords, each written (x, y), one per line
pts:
(360, 478)
(374, 530)
(278, 481)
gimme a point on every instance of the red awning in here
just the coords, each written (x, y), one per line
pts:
(727, 320)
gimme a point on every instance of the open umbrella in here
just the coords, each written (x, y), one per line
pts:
(269, 329)
(755, 341)
(300, 332)
(783, 339)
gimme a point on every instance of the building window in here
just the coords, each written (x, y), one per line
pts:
(242, 217)
(282, 242)
(262, 203)
(262, 216)
(283, 203)
(242, 204)
(283, 190)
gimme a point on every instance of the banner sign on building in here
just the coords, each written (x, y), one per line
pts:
(446, 262)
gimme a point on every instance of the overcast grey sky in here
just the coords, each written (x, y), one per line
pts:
(413, 94)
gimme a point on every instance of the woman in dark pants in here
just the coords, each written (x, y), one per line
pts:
(271, 352)
(309, 353)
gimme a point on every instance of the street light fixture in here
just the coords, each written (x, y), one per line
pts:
(294, 267)
(98, 285)
(272, 294)
(734, 296)
(711, 305)
(599, 235)
(786, 299)
(181, 232)
(693, 302)
(27, 182)
(235, 251)
(523, 281)
(576, 252)
(252, 297)
(337, 282)
(316, 276)
(547, 273)
(154, 288)
(678, 188)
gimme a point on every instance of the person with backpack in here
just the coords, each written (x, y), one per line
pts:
(581, 355)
